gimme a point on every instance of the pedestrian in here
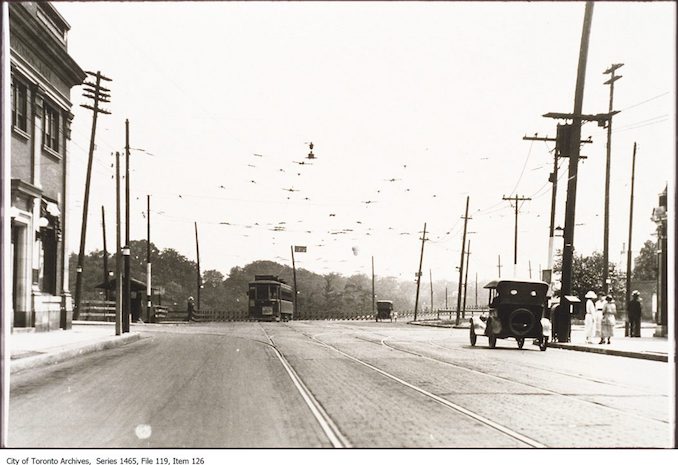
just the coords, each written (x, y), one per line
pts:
(635, 311)
(598, 319)
(190, 306)
(590, 317)
(607, 326)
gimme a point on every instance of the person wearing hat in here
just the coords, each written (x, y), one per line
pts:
(190, 306)
(600, 303)
(635, 311)
(607, 325)
(590, 318)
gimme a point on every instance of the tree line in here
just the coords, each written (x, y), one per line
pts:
(330, 295)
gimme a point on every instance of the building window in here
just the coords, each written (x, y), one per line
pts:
(19, 105)
(50, 131)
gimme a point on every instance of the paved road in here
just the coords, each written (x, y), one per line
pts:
(341, 384)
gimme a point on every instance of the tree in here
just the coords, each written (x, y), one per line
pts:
(587, 275)
(645, 268)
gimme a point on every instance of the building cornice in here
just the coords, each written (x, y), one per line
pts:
(50, 50)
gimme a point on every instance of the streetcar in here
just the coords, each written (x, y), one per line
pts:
(270, 299)
(516, 310)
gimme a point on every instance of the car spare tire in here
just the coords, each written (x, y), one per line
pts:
(521, 321)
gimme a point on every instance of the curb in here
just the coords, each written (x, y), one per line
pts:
(658, 357)
(53, 358)
(620, 353)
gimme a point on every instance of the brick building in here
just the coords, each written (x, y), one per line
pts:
(42, 75)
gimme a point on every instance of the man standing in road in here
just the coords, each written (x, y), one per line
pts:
(190, 307)
(635, 310)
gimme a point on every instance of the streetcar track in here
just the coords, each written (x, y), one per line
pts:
(331, 430)
(451, 405)
(547, 391)
(535, 367)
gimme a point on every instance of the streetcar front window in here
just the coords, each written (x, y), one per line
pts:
(262, 292)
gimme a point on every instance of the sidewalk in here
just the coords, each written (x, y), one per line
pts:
(36, 349)
(646, 347)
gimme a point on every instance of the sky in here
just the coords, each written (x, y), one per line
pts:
(411, 108)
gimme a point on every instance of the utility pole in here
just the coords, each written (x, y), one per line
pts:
(468, 255)
(148, 258)
(373, 309)
(461, 262)
(606, 228)
(529, 268)
(515, 238)
(294, 276)
(99, 95)
(421, 259)
(107, 291)
(197, 255)
(499, 265)
(553, 179)
(628, 253)
(127, 302)
(476, 299)
(118, 258)
(446, 307)
(430, 278)
(574, 146)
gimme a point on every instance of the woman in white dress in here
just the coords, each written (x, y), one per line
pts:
(590, 318)
(609, 320)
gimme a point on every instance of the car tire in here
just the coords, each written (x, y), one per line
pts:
(473, 336)
(521, 321)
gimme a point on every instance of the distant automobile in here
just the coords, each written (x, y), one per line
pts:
(517, 310)
(384, 310)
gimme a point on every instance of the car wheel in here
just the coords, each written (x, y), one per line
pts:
(521, 342)
(521, 321)
(492, 339)
(473, 335)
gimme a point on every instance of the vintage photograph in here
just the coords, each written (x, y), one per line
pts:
(319, 225)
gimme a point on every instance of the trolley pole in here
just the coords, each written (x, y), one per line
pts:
(430, 278)
(294, 278)
(98, 94)
(468, 255)
(568, 233)
(148, 258)
(198, 276)
(118, 258)
(461, 263)
(127, 302)
(515, 237)
(107, 291)
(606, 228)
(421, 259)
(373, 295)
(628, 252)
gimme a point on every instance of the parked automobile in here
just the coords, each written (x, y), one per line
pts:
(517, 310)
(384, 310)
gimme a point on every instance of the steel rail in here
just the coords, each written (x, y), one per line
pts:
(458, 408)
(331, 430)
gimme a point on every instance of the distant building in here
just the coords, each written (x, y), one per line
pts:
(42, 75)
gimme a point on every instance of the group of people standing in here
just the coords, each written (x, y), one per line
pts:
(601, 317)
